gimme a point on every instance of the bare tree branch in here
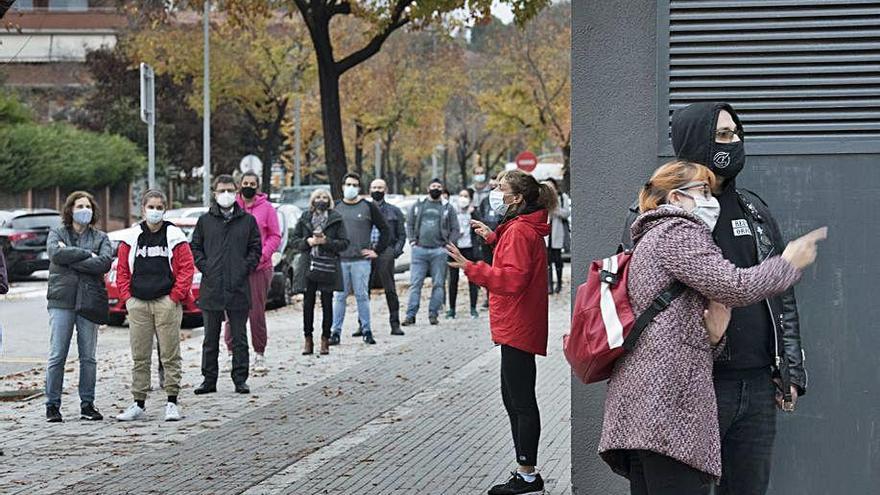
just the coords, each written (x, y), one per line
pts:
(395, 22)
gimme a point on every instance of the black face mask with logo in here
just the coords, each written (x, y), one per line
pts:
(728, 159)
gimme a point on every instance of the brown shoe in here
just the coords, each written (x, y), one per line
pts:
(325, 345)
(309, 346)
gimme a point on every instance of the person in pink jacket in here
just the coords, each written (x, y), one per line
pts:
(258, 205)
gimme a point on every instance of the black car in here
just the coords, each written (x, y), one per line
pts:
(23, 236)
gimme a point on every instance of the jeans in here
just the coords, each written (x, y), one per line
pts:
(61, 323)
(355, 279)
(651, 473)
(747, 420)
(425, 260)
(211, 345)
(518, 376)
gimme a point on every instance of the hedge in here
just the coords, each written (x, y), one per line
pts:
(36, 156)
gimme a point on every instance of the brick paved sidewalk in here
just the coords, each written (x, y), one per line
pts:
(414, 414)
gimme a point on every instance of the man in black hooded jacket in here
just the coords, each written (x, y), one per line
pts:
(762, 364)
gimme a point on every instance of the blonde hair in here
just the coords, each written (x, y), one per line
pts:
(669, 177)
(318, 192)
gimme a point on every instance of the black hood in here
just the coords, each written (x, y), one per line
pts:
(693, 131)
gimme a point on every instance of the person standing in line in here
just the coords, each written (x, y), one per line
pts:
(257, 204)
(154, 275)
(320, 236)
(226, 247)
(467, 244)
(518, 310)
(660, 426)
(360, 217)
(560, 237)
(383, 266)
(481, 186)
(79, 256)
(491, 219)
(430, 225)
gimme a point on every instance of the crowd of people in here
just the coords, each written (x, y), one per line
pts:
(693, 404)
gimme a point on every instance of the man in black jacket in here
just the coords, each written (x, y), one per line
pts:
(383, 266)
(762, 363)
(226, 247)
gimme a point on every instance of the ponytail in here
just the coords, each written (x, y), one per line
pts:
(547, 197)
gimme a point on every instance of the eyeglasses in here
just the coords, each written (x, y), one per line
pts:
(702, 188)
(727, 135)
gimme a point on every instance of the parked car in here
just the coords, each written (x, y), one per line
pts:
(23, 236)
(191, 212)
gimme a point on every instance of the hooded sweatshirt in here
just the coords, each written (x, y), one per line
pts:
(267, 221)
(517, 282)
(750, 334)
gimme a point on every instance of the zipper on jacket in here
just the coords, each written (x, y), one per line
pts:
(758, 231)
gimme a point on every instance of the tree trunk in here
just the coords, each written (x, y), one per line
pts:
(331, 113)
(359, 132)
(566, 165)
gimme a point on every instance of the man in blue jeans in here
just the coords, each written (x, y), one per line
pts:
(359, 217)
(430, 226)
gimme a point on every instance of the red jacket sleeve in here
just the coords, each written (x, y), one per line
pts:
(123, 272)
(183, 268)
(511, 269)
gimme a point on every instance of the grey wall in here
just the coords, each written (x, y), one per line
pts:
(831, 445)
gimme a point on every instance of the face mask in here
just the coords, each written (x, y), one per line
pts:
(350, 192)
(225, 199)
(496, 202)
(154, 216)
(480, 178)
(248, 192)
(322, 205)
(464, 202)
(728, 159)
(377, 196)
(82, 216)
(435, 193)
(706, 210)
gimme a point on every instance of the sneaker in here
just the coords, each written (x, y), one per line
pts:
(395, 330)
(474, 313)
(334, 339)
(53, 415)
(172, 412)
(259, 363)
(519, 486)
(242, 388)
(432, 319)
(89, 412)
(368, 339)
(359, 332)
(409, 321)
(450, 315)
(132, 413)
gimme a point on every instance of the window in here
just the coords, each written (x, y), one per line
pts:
(69, 5)
(804, 75)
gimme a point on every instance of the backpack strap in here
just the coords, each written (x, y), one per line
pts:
(658, 305)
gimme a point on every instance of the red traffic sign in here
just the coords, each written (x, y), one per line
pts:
(526, 161)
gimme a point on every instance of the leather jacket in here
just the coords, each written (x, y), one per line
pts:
(789, 354)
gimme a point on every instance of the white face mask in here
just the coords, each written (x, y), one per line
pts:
(350, 192)
(706, 210)
(496, 202)
(225, 199)
(463, 202)
(154, 216)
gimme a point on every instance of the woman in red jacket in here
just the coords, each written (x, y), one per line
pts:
(517, 283)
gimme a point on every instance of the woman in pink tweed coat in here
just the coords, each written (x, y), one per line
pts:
(661, 425)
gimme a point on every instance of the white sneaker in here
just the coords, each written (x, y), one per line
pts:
(172, 412)
(132, 413)
(260, 363)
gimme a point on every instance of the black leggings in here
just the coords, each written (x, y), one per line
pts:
(518, 375)
(554, 257)
(453, 282)
(309, 310)
(651, 473)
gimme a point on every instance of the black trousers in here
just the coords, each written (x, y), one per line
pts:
(211, 345)
(383, 267)
(651, 473)
(518, 375)
(309, 300)
(554, 258)
(453, 282)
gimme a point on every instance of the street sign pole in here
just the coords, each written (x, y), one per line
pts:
(297, 162)
(148, 116)
(378, 154)
(206, 124)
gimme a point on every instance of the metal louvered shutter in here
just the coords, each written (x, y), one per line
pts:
(804, 75)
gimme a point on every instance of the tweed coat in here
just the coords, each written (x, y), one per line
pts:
(660, 396)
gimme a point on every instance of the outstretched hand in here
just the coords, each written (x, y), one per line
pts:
(458, 259)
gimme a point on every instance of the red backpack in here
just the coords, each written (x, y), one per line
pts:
(603, 325)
